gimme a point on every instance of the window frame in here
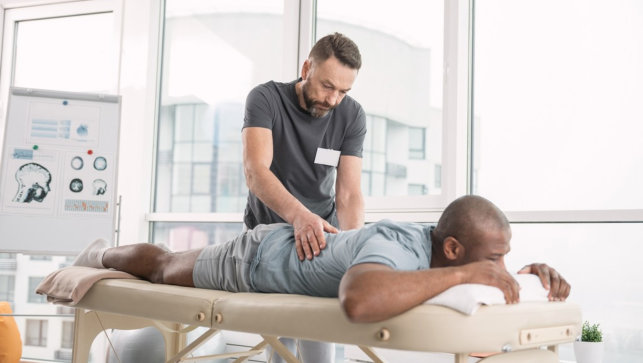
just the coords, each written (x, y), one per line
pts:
(299, 18)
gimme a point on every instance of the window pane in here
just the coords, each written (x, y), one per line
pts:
(67, 340)
(399, 85)
(73, 53)
(557, 107)
(36, 334)
(215, 52)
(20, 274)
(605, 281)
(7, 287)
(183, 236)
(32, 296)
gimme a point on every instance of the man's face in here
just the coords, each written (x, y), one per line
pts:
(325, 84)
(490, 245)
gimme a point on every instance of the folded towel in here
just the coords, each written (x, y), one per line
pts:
(69, 284)
(467, 298)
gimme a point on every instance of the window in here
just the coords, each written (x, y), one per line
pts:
(33, 297)
(8, 261)
(70, 53)
(36, 333)
(417, 189)
(605, 286)
(556, 131)
(215, 52)
(182, 236)
(417, 144)
(374, 157)
(399, 87)
(7, 288)
(557, 112)
(67, 336)
(40, 258)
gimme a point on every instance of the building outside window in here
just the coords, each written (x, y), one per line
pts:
(399, 86)
(7, 289)
(33, 297)
(417, 143)
(36, 333)
(67, 335)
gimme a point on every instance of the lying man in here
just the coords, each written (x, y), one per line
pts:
(378, 271)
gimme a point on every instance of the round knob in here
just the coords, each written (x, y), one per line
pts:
(384, 334)
(200, 316)
(218, 318)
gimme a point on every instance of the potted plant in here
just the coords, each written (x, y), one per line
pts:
(589, 349)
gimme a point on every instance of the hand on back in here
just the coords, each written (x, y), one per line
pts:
(309, 234)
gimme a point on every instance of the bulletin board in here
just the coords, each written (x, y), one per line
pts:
(58, 171)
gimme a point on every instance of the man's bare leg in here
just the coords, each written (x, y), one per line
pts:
(144, 260)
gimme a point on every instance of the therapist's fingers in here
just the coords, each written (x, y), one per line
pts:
(319, 233)
(329, 227)
(305, 245)
(299, 248)
(314, 243)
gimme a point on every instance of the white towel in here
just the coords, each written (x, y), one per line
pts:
(467, 298)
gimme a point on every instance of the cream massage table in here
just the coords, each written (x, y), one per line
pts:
(520, 332)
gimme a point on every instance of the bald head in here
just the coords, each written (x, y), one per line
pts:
(468, 218)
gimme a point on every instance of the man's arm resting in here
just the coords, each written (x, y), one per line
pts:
(349, 199)
(553, 281)
(372, 292)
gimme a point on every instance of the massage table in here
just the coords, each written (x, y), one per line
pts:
(525, 332)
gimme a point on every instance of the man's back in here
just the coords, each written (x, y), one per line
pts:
(402, 246)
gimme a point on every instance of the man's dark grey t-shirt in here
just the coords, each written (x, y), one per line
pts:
(296, 135)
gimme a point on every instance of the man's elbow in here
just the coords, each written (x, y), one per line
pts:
(252, 173)
(348, 199)
(356, 310)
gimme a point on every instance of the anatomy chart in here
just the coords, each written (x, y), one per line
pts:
(58, 171)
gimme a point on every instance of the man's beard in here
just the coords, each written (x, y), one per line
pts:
(312, 105)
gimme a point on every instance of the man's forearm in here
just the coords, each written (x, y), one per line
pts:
(375, 294)
(370, 292)
(350, 212)
(265, 185)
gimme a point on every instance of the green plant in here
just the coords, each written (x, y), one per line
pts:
(591, 333)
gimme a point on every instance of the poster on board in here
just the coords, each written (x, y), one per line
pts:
(58, 171)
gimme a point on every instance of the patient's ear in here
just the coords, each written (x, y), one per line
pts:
(452, 248)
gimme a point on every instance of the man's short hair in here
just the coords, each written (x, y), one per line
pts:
(465, 217)
(340, 46)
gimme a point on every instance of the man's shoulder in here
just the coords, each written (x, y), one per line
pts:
(351, 111)
(273, 87)
(351, 104)
(272, 92)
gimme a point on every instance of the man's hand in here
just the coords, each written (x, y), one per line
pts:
(309, 234)
(551, 280)
(493, 274)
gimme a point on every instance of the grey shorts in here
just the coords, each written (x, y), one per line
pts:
(226, 266)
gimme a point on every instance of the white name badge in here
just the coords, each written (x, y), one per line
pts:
(327, 157)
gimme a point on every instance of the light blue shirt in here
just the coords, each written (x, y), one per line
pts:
(276, 267)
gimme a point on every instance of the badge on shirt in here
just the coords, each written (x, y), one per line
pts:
(327, 157)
